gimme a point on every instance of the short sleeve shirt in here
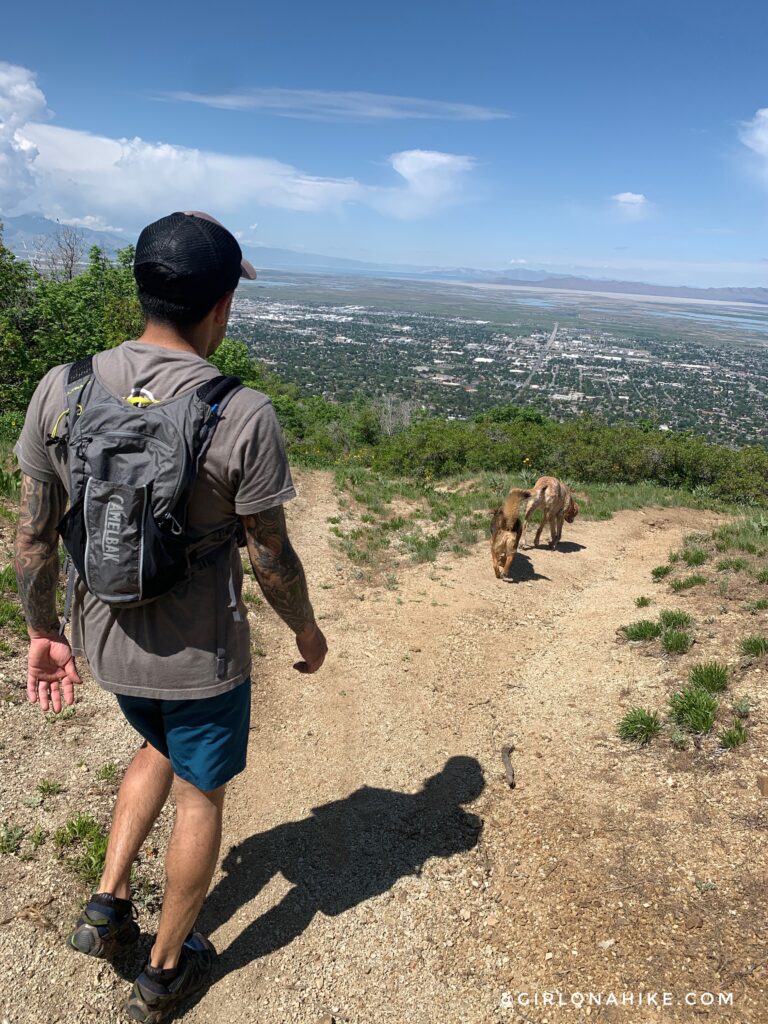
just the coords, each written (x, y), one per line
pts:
(166, 648)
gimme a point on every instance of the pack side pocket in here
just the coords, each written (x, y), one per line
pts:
(71, 529)
(114, 517)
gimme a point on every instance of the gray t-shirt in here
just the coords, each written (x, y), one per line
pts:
(167, 648)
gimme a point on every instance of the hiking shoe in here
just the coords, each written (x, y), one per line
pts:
(152, 998)
(106, 927)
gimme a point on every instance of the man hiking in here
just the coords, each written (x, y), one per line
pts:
(167, 466)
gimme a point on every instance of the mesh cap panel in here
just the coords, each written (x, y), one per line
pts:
(188, 261)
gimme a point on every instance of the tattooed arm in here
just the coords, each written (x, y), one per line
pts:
(51, 671)
(280, 575)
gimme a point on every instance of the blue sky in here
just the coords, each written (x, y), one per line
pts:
(623, 140)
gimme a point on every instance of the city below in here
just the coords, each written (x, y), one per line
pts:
(689, 378)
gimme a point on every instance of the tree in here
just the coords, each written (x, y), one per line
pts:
(394, 414)
(60, 255)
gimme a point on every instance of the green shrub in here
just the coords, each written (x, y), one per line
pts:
(757, 606)
(754, 646)
(644, 629)
(735, 736)
(677, 641)
(10, 838)
(8, 584)
(642, 601)
(687, 582)
(661, 571)
(732, 565)
(678, 740)
(762, 576)
(639, 726)
(10, 479)
(37, 837)
(711, 676)
(670, 619)
(693, 709)
(49, 787)
(694, 556)
(109, 773)
(90, 839)
(741, 707)
(11, 617)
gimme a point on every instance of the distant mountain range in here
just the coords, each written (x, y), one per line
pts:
(23, 235)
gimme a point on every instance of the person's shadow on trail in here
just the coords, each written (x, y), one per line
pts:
(344, 853)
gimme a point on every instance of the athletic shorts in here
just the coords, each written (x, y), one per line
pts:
(205, 740)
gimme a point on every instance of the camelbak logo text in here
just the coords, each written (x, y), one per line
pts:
(112, 527)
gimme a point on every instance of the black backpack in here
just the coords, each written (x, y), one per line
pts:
(131, 472)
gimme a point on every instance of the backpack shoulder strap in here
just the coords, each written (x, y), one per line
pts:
(217, 391)
(81, 369)
(77, 376)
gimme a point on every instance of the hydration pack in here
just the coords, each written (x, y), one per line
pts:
(131, 473)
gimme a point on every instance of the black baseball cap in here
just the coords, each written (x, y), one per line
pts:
(188, 261)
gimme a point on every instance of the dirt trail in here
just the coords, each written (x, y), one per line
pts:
(593, 846)
(351, 888)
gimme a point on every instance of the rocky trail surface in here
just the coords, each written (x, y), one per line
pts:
(376, 865)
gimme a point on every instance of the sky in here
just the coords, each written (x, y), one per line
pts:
(619, 140)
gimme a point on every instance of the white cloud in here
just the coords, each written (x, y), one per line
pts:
(92, 180)
(432, 179)
(518, 262)
(754, 135)
(319, 105)
(631, 205)
(77, 170)
(90, 222)
(20, 102)
(630, 198)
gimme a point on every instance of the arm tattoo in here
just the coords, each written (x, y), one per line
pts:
(37, 551)
(277, 567)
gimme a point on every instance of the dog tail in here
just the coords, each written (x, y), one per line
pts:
(512, 505)
(497, 520)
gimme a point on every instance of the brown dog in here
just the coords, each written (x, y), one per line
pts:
(506, 531)
(553, 496)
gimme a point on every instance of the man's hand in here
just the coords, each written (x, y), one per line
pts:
(312, 647)
(51, 673)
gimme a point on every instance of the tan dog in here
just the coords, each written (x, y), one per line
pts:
(553, 496)
(506, 531)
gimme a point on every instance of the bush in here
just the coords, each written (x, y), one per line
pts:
(90, 840)
(694, 556)
(687, 582)
(642, 601)
(661, 571)
(675, 620)
(711, 676)
(754, 646)
(742, 707)
(693, 709)
(639, 726)
(644, 629)
(677, 641)
(732, 565)
(735, 736)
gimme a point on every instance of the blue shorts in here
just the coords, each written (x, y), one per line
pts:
(205, 740)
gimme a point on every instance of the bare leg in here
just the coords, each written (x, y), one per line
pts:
(189, 865)
(143, 792)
